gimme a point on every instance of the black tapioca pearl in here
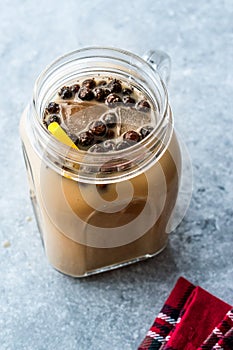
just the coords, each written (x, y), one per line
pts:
(132, 135)
(53, 118)
(85, 94)
(123, 145)
(109, 145)
(113, 100)
(110, 119)
(97, 148)
(129, 101)
(85, 140)
(143, 106)
(106, 91)
(127, 91)
(114, 86)
(53, 108)
(75, 88)
(89, 83)
(98, 128)
(99, 94)
(145, 131)
(65, 93)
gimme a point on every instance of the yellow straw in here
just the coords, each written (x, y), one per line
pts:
(60, 134)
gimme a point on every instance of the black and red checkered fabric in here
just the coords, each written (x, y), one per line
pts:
(191, 319)
(223, 330)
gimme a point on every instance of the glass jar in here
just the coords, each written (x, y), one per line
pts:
(85, 230)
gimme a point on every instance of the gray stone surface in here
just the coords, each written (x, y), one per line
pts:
(41, 309)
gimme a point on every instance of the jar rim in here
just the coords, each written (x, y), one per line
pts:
(76, 156)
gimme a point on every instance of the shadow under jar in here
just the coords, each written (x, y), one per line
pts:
(99, 211)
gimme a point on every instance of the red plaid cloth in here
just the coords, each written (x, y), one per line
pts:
(186, 319)
(219, 332)
(226, 342)
(168, 317)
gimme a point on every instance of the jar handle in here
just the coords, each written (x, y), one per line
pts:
(161, 62)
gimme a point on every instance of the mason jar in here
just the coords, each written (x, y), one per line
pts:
(85, 230)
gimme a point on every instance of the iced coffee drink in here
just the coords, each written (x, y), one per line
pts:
(105, 182)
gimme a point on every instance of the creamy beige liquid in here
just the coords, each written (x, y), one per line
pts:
(86, 228)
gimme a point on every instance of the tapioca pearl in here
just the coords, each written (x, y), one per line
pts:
(109, 145)
(53, 108)
(132, 135)
(97, 148)
(113, 100)
(89, 83)
(143, 106)
(127, 91)
(123, 145)
(145, 131)
(129, 101)
(110, 119)
(75, 88)
(99, 94)
(114, 86)
(86, 94)
(65, 93)
(98, 128)
(85, 140)
(53, 118)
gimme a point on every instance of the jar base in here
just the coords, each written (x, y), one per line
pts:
(114, 266)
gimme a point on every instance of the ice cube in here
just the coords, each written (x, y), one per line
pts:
(132, 119)
(77, 116)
